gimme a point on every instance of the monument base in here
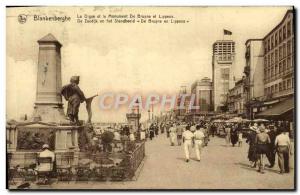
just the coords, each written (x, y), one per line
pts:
(28, 137)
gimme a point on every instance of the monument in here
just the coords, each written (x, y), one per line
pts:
(133, 119)
(48, 123)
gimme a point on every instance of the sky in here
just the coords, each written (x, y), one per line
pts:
(132, 58)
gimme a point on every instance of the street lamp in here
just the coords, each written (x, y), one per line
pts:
(152, 111)
(138, 114)
(149, 115)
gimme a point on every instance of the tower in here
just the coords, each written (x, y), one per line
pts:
(222, 63)
(48, 104)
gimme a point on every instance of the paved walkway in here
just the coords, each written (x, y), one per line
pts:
(221, 167)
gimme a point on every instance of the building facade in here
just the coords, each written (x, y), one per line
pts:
(222, 65)
(236, 98)
(277, 102)
(184, 99)
(279, 59)
(254, 75)
(202, 89)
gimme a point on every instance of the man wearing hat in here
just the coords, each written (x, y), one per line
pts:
(283, 147)
(74, 96)
(262, 140)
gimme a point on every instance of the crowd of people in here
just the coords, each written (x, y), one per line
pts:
(265, 140)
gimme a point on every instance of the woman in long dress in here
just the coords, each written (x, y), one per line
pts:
(252, 155)
(234, 136)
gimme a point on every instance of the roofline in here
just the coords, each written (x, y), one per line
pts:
(248, 40)
(217, 41)
(275, 28)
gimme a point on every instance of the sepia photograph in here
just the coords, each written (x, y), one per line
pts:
(150, 98)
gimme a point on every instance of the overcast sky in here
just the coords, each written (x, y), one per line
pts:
(132, 58)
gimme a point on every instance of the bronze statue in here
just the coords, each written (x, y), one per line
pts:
(74, 96)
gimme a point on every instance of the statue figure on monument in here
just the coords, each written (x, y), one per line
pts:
(74, 96)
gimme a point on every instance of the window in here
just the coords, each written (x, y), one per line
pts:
(265, 61)
(280, 86)
(280, 67)
(288, 29)
(276, 69)
(280, 36)
(284, 32)
(284, 50)
(276, 39)
(272, 71)
(276, 88)
(288, 63)
(269, 61)
(225, 73)
(226, 87)
(269, 46)
(272, 89)
(276, 55)
(283, 65)
(280, 53)
(288, 48)
(288, 84)
(272, 42)
(272, 58)
(284, 85)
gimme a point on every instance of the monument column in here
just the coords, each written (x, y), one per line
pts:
(48, 104)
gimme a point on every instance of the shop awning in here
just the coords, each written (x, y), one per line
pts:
(279, 109)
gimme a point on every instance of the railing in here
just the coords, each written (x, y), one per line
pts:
(137, 156)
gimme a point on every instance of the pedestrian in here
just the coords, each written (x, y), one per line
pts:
(272, 149)
(162, 127)
(252, 155)
(198, 139)
(206, 136)
(283, 147)
(187, 142)
(156, 129)
(173, 134)
(234, 136)
(240, 135)
(179, 134)
(262, 140)
(227, 134)
(168, 126)
(143, 134)
(151, 131)
(213, 129)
